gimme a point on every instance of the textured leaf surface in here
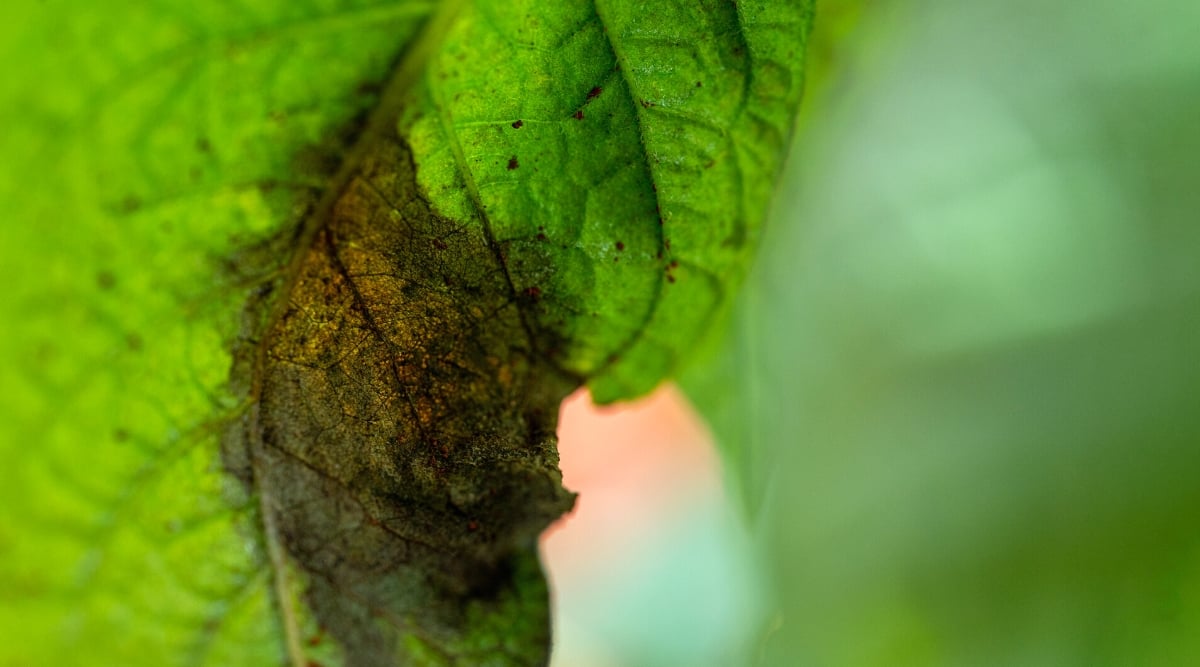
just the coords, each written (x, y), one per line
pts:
(160, 160)
(145, 144)
(622, 156)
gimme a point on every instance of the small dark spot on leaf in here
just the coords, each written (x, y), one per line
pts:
(512, 163)
(675, 264)
(699, 85)
(518, 124)
(203, 145)
(440, 244)
(533, 293)
(473, 526)
(541, 236)
(578, 115)
(594, 93)
(646, 104)
(134, 342)
(620, 246)
(105, 280)
(120, 435)
(671, 279)
(709, 164)
(129, 204)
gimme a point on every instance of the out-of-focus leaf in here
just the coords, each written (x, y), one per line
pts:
(730, 380)
(980, 326)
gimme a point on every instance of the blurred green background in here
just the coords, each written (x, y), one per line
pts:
(959, 403)
(968, 404)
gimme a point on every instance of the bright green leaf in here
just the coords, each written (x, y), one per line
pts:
(622, 156)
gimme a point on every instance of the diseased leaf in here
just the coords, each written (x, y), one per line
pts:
(146, 145)
(401, 434)
(543, 195)
(621, 155)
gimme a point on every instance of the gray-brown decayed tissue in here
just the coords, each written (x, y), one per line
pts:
(402, 435)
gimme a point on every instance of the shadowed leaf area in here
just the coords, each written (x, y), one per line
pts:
(410, 228)
(402, 439)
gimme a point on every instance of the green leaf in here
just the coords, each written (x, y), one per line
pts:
(195, 187)
(621, 156)
(735, 376)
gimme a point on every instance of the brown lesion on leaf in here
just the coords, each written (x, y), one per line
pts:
(401, 433)
(105, 280)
